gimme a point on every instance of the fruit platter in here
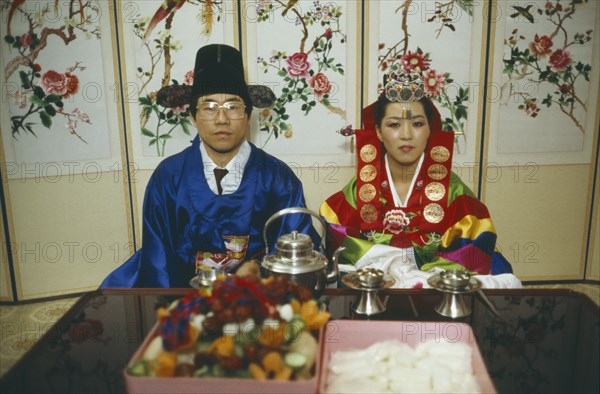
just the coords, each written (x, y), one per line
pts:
(243, 334)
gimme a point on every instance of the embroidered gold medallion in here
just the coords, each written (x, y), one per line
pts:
(368, 173)
(435, 191)
(440, 153)
(367, 192)
(437, 172)
(433, 213)
(368, 153)
(368, 213)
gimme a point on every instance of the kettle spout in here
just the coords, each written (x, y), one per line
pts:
(334, 273)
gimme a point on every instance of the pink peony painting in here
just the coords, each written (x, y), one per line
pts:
(305, 72)
(546, 62)
(45, 93)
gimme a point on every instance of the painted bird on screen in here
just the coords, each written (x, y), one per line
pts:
(289, 5)
(524, 12)
(166, 8)
(169, 7)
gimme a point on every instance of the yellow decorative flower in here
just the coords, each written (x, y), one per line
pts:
(223, 346)
(273, 368)
(265, 113)
(312, 316)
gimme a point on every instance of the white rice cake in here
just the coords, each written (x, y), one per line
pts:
(394, 367)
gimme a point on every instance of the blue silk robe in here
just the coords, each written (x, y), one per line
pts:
(182, 217)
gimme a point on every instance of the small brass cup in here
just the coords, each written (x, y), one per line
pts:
(370, 278)
(455, 279)
(369, 303)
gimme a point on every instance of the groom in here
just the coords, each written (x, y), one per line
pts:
(206, 207)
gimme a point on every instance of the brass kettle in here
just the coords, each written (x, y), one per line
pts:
(295, 257)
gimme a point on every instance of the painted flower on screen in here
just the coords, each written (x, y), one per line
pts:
(546, 64)
(175, 97)
(40, 101)
(188, 79)
(298, 65)
(54, 83)
(61, 84)
(320, 84)
(541, 46)
(560, 59)
(26, 40)
(435, 83)
(307, 71)
(566, 88)
(72, 85)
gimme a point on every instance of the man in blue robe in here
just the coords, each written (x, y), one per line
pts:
(206, 207)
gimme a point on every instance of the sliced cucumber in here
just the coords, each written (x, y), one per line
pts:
(295, 360)
(138, 369)
(239, 350)
(217, 372)
(294, 329)
(200, 372)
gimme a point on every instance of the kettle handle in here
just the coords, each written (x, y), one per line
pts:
(286, 211)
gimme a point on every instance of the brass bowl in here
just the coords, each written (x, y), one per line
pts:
(370, 278)
(206, 277)
(455, 279)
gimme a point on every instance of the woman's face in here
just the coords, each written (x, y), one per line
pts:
(404, 139)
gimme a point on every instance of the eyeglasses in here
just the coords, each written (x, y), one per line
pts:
(209, 110)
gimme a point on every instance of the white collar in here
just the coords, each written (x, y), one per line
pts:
(233, 179)
(397, 201)
(240, 158)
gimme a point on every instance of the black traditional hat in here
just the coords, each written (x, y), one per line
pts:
(219, 69)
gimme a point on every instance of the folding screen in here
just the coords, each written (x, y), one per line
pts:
(64, 190)
(542, 124)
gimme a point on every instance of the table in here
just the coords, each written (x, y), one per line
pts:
(545, 340)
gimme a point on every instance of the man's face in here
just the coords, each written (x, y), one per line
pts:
(221, 135)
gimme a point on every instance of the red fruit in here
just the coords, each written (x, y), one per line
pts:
(185, 369)
(201, 359)
(231, 363)
(217, 306)
(251, 351)
(242, 313)
(225, 316)
(212, 325)
(304, 294)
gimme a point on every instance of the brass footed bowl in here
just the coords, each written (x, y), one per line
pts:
(455, 279)
(370, 278)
